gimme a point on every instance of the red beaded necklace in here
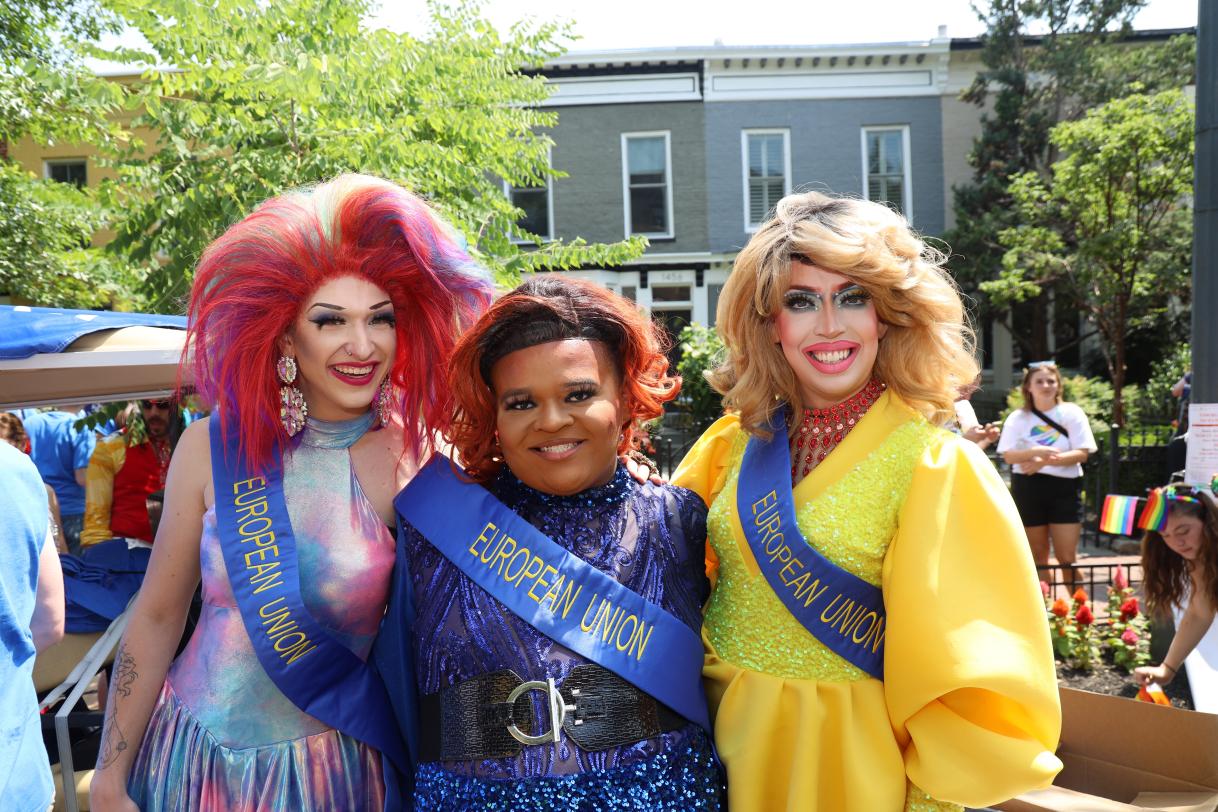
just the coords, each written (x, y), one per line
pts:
(823, 429)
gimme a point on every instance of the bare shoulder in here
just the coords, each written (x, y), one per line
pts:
(190, 469)
(384, 464)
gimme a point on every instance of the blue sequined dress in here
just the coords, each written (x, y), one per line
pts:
(652, 539)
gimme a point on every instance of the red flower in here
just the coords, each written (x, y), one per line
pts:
(1119, 580)
(1060, 607)
(1080, 595)
(1083, 616)
(1129, 609)
(1130, 637)
(1044, 589)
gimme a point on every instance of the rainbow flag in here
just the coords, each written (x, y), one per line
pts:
(1154, 515)
(1118, 515)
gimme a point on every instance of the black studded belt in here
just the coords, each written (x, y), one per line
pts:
(491, 716)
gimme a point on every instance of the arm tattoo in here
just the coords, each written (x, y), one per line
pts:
(114, 743)
(124, 673)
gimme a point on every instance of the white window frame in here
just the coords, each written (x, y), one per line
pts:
(667, 136)
(507, 191)
(749, 227)
(907, 201)
(47, 163)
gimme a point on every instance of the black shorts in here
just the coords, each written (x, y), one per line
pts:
(1043, 499)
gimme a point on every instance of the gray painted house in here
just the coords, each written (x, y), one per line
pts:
(693, 146)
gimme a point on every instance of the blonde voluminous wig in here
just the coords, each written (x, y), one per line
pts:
(925, 358)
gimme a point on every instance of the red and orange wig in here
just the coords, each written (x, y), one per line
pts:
(544, 309)
(253, 280)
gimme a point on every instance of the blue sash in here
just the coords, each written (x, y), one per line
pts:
(838, 608)
(318, 674)
(555, 591)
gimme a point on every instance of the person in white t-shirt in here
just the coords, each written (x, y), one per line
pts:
(1046, 443)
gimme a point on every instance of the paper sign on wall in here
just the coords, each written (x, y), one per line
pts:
(1202, 462)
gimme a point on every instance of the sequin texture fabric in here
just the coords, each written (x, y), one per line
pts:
(747, 622)
(651, 539)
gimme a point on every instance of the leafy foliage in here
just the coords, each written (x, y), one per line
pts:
(1074, 61)
(701, 351)
(48, 95)
(1111, 229)
(265, 97)
(45, 253)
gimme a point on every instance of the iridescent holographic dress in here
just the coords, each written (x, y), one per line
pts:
(652, 539)
(222, 736)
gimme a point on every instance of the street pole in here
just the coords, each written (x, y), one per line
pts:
(1205, 211)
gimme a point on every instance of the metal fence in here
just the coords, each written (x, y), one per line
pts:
(1128, 461)
(1093, 575)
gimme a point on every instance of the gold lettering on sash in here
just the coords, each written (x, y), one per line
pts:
(263, 569)
(553, 590)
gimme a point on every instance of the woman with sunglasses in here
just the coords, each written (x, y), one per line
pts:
(315, 326)
(1180, 571)
(875, 638)
(1046, 442)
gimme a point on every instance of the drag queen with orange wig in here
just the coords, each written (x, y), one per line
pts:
(549, 602)
(315, 326)
(875, 638)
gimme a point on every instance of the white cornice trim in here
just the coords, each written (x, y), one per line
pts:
(635, 56)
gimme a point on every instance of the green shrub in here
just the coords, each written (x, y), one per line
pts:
(1157, 400)
(701, 351)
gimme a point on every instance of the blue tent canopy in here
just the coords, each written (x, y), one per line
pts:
(59, 357)
(27, 331)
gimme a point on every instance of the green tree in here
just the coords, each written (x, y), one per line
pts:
(45, 256)
(1112, 227)
(47, 94)
(269, 96)
(701, 351)
(1074, 60)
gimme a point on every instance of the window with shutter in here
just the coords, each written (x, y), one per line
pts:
(887, 166)
(767, 174)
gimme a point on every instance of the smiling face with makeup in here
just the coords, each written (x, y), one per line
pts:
(829, 333)
(559, 414)
(344, 342)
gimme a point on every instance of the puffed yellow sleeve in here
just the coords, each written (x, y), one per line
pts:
(968, 668)
(704, 470)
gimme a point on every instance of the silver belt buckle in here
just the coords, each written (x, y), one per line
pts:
(558, 712)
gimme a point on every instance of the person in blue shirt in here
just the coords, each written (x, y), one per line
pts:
(31, 620)
(61, 454)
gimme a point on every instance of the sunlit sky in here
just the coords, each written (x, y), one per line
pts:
(625, 24)
(603, 25)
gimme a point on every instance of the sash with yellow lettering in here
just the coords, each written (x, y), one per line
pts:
(838, 608)
(317, 673)
(556, 591)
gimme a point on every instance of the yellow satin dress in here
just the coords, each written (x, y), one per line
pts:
(968, 711)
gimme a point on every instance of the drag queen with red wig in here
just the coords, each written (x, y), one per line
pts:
(315, 326)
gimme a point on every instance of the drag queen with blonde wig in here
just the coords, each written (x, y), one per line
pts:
(875, 638)
(317, 324)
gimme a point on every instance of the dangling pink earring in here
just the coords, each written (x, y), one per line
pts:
(292, 407)
(382, 402)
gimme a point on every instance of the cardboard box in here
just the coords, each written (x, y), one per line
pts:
(1122, 756)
